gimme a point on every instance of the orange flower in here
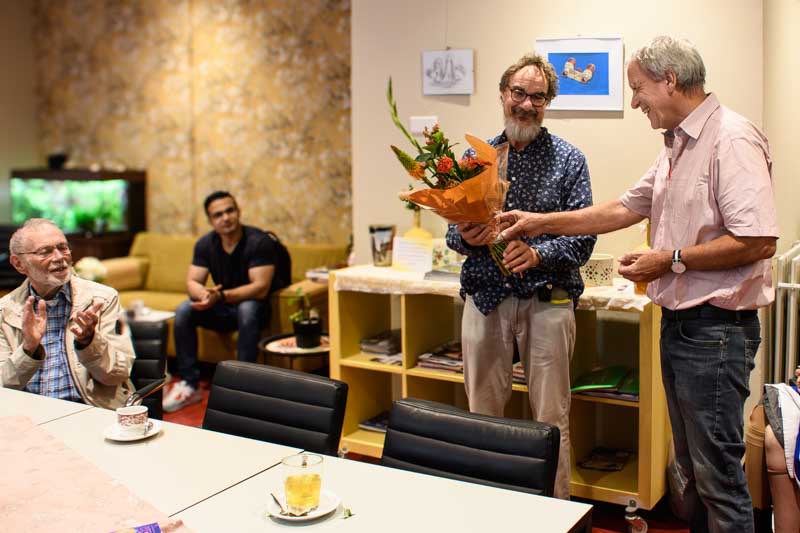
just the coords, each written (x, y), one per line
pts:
(445, 165)
(417, 171)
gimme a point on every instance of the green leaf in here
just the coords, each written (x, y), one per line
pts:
(396, 119)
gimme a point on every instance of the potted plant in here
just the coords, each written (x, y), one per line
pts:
(305, 321)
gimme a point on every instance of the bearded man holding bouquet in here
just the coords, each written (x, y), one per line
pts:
(532, 310)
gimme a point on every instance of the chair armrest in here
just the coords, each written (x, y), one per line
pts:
(126, 273)
(281, 308)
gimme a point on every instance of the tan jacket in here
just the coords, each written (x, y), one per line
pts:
(100, 371)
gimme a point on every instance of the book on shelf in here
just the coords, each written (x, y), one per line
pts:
(385, 342)
(378, 422)
(626, 389)
(605, 459)
(444, 357)
(607, 377)
(394, 359)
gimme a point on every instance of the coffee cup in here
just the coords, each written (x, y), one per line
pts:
(132, 420)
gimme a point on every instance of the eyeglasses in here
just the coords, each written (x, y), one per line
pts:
(519, 96)
(46, 251)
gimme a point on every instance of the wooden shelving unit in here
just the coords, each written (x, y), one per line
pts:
(427, 320)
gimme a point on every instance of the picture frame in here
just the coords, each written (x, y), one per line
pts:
(448, 71)
(589, 72)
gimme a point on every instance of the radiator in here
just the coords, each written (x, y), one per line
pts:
(784, 317)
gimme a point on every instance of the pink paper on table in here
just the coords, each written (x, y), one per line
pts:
(48, 487)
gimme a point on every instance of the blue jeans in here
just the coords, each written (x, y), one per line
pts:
(246, 317)
(706, 366)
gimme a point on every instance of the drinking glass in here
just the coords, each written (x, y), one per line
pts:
(302, 482)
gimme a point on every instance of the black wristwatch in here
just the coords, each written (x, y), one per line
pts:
(678, 266)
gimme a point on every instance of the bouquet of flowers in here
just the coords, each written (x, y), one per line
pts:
(91, 268)
(472, 189)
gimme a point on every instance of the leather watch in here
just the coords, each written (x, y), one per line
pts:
(677, 265)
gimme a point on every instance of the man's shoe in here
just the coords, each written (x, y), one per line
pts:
(181, 395)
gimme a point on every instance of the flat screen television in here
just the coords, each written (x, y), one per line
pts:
(76, 206)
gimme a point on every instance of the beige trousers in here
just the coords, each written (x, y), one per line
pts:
(545, 335)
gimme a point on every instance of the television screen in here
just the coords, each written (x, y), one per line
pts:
(74, 205)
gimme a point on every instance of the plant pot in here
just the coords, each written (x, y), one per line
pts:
(307, 333)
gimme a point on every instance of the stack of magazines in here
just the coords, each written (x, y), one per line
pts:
(385, 342)
(446, 357)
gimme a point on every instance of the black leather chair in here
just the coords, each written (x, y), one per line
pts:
(150, 344)
(277, 405)
(442, 440)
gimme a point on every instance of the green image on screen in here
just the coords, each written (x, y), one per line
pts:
(74, 205)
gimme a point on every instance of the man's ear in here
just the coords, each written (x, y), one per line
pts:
(672, 82)
(17, 263)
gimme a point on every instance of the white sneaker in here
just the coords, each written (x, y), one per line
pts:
(181, 395)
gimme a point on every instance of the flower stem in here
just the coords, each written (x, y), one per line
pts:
(496, 250)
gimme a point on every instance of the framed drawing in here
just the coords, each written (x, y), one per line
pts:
(448, 72)
(589, 72)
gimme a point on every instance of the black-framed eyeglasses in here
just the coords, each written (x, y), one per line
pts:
(519, 96)
(46, 251)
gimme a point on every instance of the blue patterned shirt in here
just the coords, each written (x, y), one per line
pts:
(53, 378)
(548, 175)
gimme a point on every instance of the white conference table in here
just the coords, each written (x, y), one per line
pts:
(173, 470)
(40, 409)
(387, 500)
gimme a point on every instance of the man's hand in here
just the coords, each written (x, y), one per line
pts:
(516, 223)
(34, 324)
(645, 265)
(208, 300)
(519, 257)
(85, 323)
(476, 234)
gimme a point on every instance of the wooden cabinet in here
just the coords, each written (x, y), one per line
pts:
(361, 305)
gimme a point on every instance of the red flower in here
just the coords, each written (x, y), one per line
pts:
(445, 165)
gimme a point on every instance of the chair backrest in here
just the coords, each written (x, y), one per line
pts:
(277, 405)
(150, 345)
(442, 440)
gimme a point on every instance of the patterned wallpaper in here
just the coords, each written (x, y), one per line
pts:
(248, 96)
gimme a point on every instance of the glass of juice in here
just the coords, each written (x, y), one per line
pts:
(302, 481)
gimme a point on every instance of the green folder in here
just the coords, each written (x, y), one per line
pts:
(609, 377)
(630, 383)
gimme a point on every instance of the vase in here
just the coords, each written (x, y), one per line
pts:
(307, 333)
(416, 232)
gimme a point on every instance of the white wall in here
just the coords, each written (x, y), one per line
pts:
(17, 99)
(781, 114)
(389, 36)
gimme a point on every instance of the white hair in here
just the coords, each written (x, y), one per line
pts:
(19, 238)
(666, 54)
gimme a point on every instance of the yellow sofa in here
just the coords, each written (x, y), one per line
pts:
(155, 270)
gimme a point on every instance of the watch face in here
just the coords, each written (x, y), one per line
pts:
(678, 267)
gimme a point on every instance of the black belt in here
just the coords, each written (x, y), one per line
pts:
(708, 311)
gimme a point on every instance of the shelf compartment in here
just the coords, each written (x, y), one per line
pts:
(364, 360)
(369, 394)
(614, 487)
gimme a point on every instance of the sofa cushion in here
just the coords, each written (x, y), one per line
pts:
(124, 273)
(170, 257)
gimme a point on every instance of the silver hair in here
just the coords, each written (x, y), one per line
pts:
(666, 54)
(16, 243)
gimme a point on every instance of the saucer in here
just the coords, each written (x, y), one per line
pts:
(113, 432)
(328, 502)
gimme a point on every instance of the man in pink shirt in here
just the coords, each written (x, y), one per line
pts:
(713, 226)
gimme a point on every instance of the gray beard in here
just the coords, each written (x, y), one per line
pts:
(521, 134)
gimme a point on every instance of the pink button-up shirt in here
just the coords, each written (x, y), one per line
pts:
(720, 183)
